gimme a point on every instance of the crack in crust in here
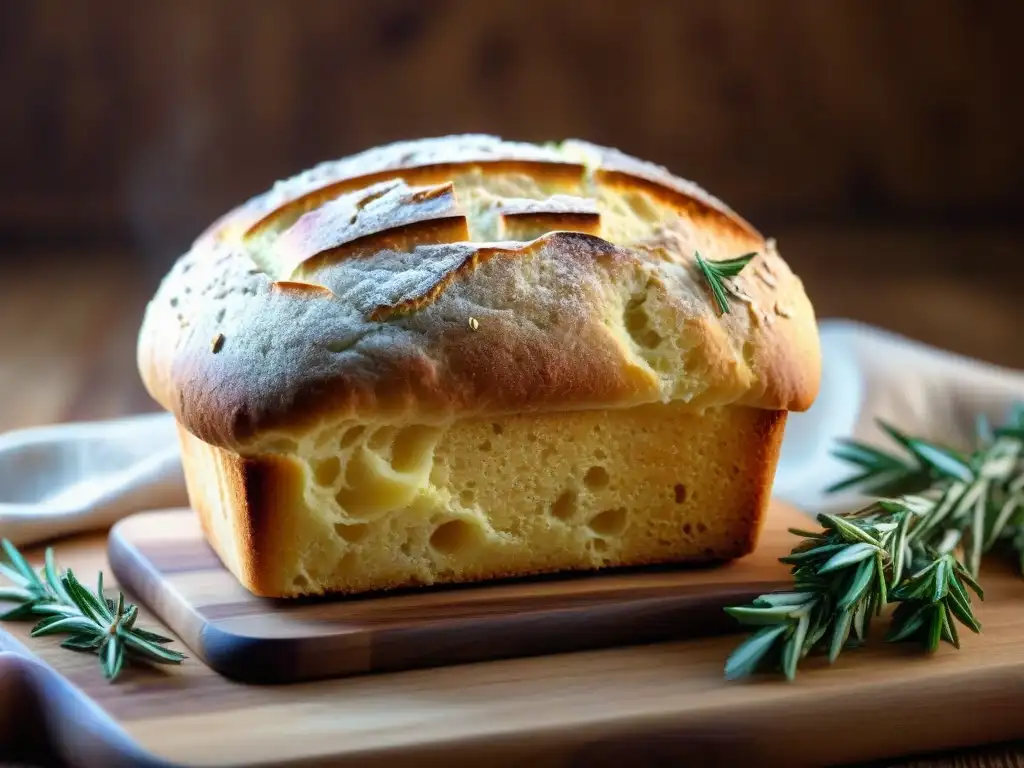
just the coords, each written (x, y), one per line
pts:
(473, 260)
(290, 208)
(467, 275)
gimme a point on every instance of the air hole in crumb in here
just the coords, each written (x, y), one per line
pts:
(600, 454)
(485, 445)
(467, 497)
(680, 491)
(596, 477)
(547, 453)
(531, 437)
(498, 429)
(382, 438)
(351, 435)
(452, 536)
(406, 548)
(701, 528)
(600, 545)
(635, 316)
(611, 522)
(412, 445)
(352, 532)
(651, 339)
(688, 529)
(736, 470)
(300, 582)
(564, 506)
(327, 471)
(636, 324)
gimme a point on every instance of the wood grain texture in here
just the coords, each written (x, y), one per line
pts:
(655, 704)
(164, 556)
(149, 120)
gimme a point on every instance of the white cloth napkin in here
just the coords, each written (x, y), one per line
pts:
(68, 478)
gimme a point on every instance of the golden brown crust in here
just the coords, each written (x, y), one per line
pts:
(245, 508)
(427, 302)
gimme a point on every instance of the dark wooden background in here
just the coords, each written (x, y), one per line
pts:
(881, 141)
(139, 122)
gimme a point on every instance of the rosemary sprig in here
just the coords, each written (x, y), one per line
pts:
(920, 548)
(717, 272)
(93, 623)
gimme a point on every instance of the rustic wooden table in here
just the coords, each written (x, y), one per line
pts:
(68, 323)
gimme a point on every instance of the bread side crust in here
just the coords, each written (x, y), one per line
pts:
(260, 518)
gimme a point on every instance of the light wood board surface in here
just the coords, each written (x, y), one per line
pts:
(630, 705)
(75, 360)
(164, 556)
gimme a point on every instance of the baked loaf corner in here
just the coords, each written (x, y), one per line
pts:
(464, 358)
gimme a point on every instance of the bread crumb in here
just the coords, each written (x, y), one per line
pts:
(217, 343)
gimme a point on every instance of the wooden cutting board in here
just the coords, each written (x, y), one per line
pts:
(163, 556)
(656, 704)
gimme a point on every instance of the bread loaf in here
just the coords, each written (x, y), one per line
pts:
(463, 358)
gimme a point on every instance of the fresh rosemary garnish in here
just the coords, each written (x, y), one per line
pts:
(94, 623)
(717, 272)
(919, 547)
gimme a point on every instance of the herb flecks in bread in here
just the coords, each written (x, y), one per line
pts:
(443, 283)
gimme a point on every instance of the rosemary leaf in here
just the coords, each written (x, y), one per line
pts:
(113, 657)
(64, 624)
(24, 570)
(949, 631)
(745, 659)
(83, 644)
(148, 649)
(793, 648)
(942, 460)
(758, 615)
(847, 530)
(840, 634)
(14, 577)
(15, 595)
(53, 581)
(861, 581)
(850, 555)
(777, 599)
(920, 546)
(60, 604)
(716, 272)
